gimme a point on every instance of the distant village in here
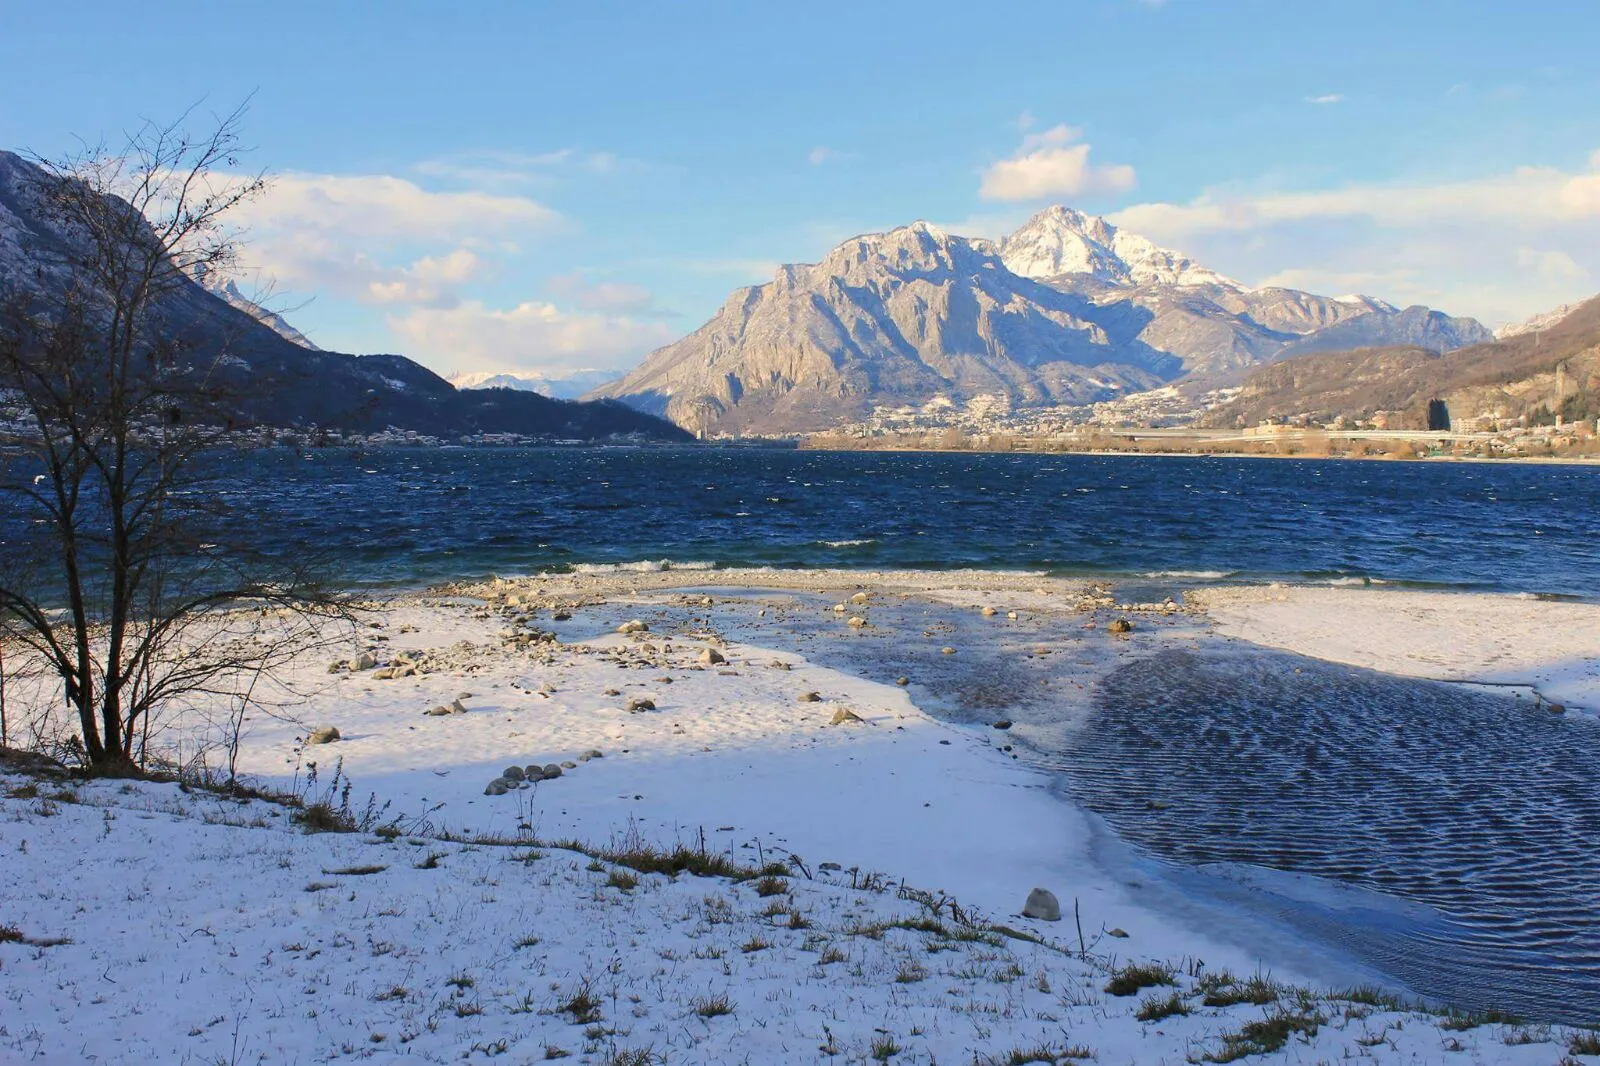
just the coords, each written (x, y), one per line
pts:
(1164, 420)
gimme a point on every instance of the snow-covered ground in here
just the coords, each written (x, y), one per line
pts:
(1550, 646)
(207, 930)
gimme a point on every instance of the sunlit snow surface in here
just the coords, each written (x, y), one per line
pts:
(1439, 834)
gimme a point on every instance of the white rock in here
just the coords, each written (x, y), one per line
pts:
(1043, 905)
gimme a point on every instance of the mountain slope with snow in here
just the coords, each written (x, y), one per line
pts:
(228, 290)
(1069, 309)
(264, 375)
(1537, 323)
(896, 317)
(1061, 240)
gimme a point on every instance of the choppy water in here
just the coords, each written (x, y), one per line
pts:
(1482, 808)
(410, 515)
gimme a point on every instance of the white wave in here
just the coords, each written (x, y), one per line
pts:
(848, 543)
(643, 566)
(1198, 575)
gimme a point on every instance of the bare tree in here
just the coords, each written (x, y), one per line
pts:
(114, 576)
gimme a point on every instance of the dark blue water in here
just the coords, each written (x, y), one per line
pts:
(408, 516)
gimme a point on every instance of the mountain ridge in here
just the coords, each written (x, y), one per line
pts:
(271, 380)
(1069, 309)
(1537, 374)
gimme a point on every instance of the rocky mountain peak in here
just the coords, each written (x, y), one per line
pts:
(1062, 241)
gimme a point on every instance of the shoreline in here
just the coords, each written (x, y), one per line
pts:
(1531, 460)
(735, 756)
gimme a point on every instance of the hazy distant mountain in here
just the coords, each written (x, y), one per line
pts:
(1415, 326)
(1542, 320)
(1555, 370)
(1068, 309)
(567, 387)
(273, 380)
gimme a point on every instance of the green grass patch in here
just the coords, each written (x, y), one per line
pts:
(1135, 977)
(1155, 1008)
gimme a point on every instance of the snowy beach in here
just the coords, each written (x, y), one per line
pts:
(271, 945)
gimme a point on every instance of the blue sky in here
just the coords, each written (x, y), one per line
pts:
(561, 186)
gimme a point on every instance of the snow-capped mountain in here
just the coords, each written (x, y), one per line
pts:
(896, 317)
(1059, 241)
(567, 387)
(1068, 309)
(229, 291)
(1541, 321)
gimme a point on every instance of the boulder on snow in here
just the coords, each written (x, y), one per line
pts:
(1119, 625)
(641, 703)
(497, 787)
(512, 773)
(633, 626)
(326, 734)
(1043, 905)
(365, 661)
(843, 717)
(711, 656)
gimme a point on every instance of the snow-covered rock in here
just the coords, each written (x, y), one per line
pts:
(1061, 240)
(1541, 321)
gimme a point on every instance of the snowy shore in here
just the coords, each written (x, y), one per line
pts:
(208, 930)
(1549, 647)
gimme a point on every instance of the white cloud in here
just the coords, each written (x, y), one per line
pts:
(530, 336)
(429, 280)
(1326, 98)
(1526, 194)
(1552, 266)
(380, 238)
(1499, 247)
(1051, 164)
(821, 154)
(499, 169)
(608, 296)
(387, 206)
